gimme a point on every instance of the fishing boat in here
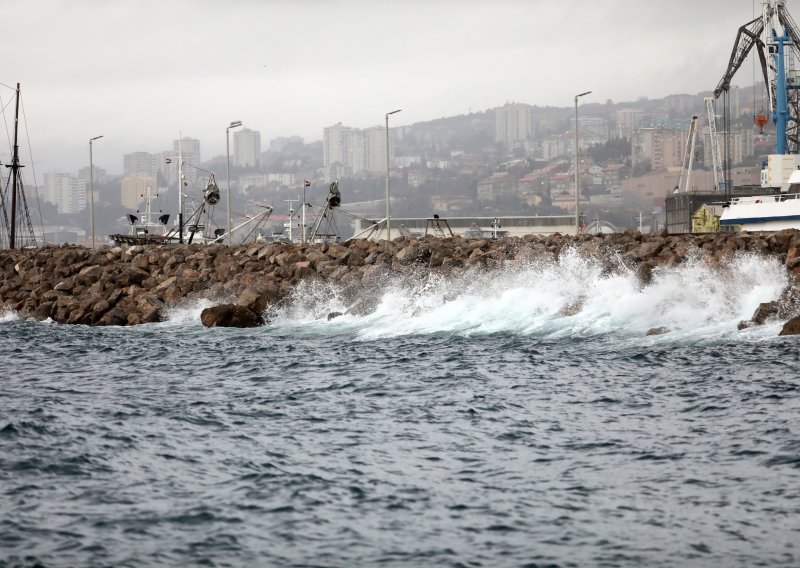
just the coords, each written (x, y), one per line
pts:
(145, 230)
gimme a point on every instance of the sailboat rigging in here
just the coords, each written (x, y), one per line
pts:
(17, 228)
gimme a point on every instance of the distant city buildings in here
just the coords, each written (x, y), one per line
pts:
(662, 147)
(189, 150)
(512, 157)
(627, 121)
(348, 151)
(246, 148)
(513, 123)
(283, 143)
(742, 145)
(134, 190)
(683, 105)
(140, 163)
(66, 191)
(556, 146)
(497, 185)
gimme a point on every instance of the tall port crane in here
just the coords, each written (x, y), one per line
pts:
(716, 159)
(688, 158)
(776, 39)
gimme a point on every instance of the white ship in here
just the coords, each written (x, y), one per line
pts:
(769, 212)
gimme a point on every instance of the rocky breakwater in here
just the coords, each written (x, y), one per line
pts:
(129, 285)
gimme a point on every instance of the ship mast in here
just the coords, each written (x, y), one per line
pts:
(14, 176)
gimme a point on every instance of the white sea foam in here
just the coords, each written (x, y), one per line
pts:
(570, 297)
(8, 315)
(185, 313)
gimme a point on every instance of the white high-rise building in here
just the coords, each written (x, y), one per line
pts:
(375, 139)
(513, 123)
(357, 155)
(247, 148)
(66, 191)
(190, 151)
(335, 141)
(348, 151)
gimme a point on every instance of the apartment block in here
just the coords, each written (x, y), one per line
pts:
(513, 123)
(134, 190)
(660, 146)
(247, 148)
(140, 163)
(627, 121)
(68, 192)
(742, 146)
(348, 151)
(189, 149)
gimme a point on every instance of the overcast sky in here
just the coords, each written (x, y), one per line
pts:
(139, 72)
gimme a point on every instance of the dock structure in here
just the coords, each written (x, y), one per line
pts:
(511, 226)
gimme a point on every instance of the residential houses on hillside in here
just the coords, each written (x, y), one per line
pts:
(515, 158)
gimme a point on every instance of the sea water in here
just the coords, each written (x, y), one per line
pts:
(520, 417)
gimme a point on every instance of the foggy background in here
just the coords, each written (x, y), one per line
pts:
(139, 72)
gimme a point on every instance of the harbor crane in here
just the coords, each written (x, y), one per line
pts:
(776, 40)
(688, 156)
(716, 158)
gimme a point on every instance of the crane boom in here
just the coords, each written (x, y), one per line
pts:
(716, 161)
(749, 35)
(776, 39)
(688, 156)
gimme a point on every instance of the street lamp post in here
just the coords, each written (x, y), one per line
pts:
(388, 214)
(234, 124)
(577, 179)
(91, 186)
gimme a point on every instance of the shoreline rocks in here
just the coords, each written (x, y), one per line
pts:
(130, 285)
(231, 315)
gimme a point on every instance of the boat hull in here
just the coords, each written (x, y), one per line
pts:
(763, 213)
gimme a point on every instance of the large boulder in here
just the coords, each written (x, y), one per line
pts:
(258, 297)
(764, 312)
(230, 315)
(791, 327)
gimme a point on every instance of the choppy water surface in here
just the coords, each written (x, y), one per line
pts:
(465, 423)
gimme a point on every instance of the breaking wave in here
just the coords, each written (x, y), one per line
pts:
(569, 297)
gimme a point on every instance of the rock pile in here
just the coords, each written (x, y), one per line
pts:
(129, 285)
